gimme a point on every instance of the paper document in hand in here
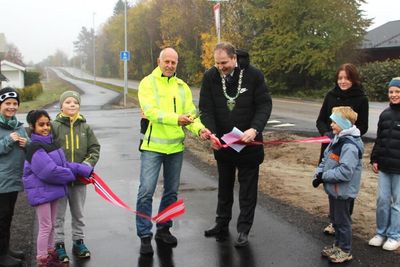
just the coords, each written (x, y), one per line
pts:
(233, 136)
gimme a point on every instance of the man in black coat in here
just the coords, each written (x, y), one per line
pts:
(234, 94)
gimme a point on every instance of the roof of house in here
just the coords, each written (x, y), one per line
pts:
(12, 65)
(384, 36)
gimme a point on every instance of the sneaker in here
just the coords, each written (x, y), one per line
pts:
(145, 246)
(391, 244)
(62, 254)
(329, 229)
(80, 250)
(164, 235)
(53, 260)
(329, 250)
(377, 241)
(340, 256)
(42, 261)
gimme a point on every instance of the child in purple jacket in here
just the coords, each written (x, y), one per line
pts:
(46, 174)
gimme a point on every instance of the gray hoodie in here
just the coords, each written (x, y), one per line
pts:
(342, 164)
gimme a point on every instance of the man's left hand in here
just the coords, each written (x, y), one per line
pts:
(249, 135)
(204, 134)
(184, 120)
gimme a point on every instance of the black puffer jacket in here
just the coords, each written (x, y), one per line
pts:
(252, 110)
(386, 150)
(353, 97)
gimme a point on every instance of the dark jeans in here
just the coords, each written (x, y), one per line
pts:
(248, 183)
(341, 219)
(7, 204)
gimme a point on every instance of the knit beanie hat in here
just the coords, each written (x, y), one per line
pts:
(342, 122)
(8, 92)
(395, 82)
(67, 94)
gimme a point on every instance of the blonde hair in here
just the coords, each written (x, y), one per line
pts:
(347, 113)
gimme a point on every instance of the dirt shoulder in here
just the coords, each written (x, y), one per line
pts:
(286, 176)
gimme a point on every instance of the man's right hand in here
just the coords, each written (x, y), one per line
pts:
(375, 167)
(184, 120)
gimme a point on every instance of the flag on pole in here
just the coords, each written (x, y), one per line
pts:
(217, 8)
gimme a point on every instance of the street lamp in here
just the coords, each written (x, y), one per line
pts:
(125, 61)
(94, 51)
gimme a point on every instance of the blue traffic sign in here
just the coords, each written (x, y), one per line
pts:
(124, 55)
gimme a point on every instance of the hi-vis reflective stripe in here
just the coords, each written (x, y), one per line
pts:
(77, 141)
(182, 94)
(66, 142)
(164, 141)
(155, 90)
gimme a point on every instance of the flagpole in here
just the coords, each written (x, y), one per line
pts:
(217, 15)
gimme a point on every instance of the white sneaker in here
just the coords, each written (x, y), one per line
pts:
(391, 244)
(377, 241)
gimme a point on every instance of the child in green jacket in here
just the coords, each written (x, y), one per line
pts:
(76, 137)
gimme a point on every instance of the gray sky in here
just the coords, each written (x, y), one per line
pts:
(40, 27)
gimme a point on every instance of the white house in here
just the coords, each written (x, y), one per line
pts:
(14, 74)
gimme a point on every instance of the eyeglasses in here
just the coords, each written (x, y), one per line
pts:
(8, 95)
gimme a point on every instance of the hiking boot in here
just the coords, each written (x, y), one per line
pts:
(145, 246)
(377, 241)
(53, 259)
(391, 244)
(242, 240)
(80, 250)
(9, 261)
(61, 253)
(340, 256)
(18, 254)
(42, 261)
(164, 235)
(329, 229)
(329, 250)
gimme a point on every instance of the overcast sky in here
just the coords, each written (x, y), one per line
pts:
(40, 27)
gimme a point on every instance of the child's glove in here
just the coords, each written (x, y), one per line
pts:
(318, 180)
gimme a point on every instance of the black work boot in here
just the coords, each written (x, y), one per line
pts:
(165, 236)
(217, 230)
(8, 261)
(145, 246)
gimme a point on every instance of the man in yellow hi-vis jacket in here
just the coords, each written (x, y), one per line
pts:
(167, 106)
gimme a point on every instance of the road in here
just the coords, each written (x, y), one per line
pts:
(281, 235)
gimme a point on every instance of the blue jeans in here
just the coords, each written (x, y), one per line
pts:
(149, 171)
(388, 206)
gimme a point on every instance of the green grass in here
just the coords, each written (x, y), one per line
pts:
(52, 90)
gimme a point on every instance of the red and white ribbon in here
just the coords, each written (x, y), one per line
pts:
(320, 139)
(101, 188)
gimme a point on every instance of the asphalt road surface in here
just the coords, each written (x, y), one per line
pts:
(281, 235)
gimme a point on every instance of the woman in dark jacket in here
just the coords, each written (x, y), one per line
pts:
(46, 174)
(348, 91)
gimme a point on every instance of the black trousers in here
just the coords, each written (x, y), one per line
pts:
(7, 204)
(248, 183)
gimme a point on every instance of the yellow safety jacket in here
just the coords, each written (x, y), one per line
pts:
(163, 100)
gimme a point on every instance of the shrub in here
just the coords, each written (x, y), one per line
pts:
(31, 77)
(377, 75)
(30, 93)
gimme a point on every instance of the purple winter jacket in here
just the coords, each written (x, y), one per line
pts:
(47, 172)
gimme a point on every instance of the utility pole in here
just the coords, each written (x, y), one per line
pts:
(94, 51)
(126, 61)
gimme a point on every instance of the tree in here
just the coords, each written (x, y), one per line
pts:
(14, 55)
(119, 8)
(83, 46)
(307, 40)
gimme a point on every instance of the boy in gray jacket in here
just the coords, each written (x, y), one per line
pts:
(340, 172)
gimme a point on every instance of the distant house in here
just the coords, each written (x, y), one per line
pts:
(382, 42)
(14, 74)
